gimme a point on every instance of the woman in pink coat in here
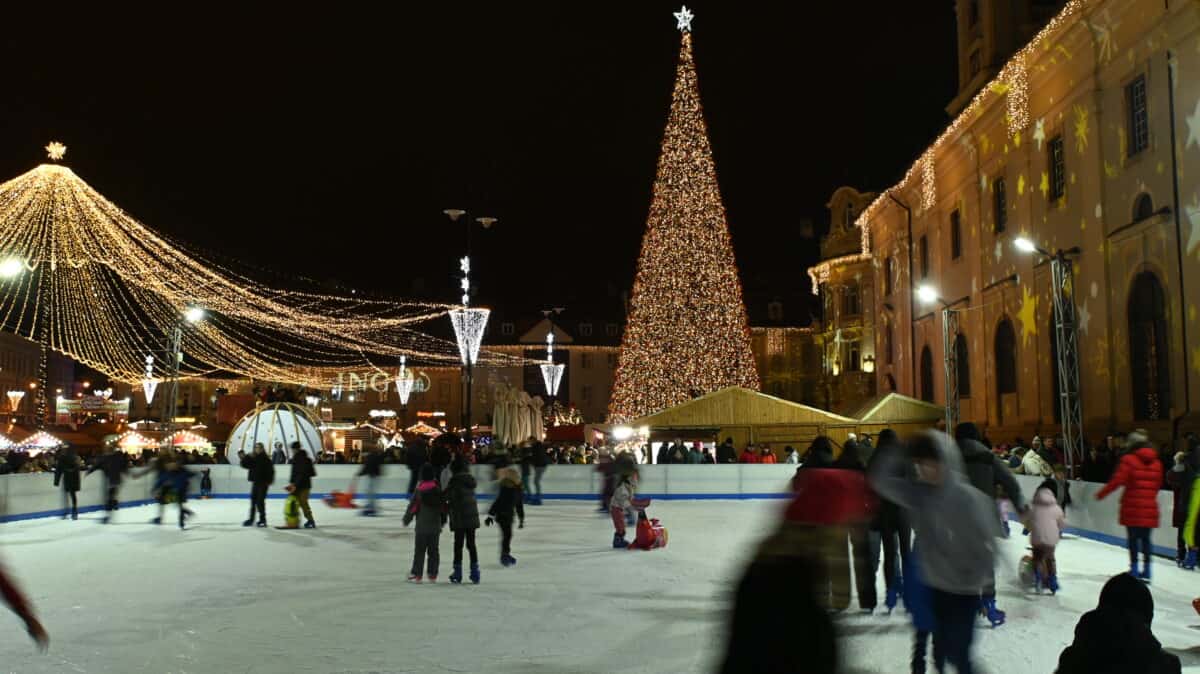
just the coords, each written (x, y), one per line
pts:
(1046, 522)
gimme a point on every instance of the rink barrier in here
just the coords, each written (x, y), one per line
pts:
(33, 495)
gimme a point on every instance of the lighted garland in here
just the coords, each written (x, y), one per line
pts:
(687, 332)
(87, 280)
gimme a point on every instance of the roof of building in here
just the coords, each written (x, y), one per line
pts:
(737, 406)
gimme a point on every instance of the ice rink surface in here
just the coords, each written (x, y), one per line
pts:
(133, 597)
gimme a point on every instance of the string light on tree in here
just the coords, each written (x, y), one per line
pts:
(687, 333)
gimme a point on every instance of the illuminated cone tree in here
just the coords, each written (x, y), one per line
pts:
(687, 333)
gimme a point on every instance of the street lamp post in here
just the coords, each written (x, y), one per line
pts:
(1067, 340)
(468, 322)
(192, 314)
(928, 295)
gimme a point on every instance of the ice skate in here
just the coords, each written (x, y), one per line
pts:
(1189, 562)
(1052, 584)
(994, 615)
(456, 577)
(156, 520)
(475, 573)
(369, 512)
(262, 523)
(248, 523)
(432, 579)
(1144, 576)
(1037, 582)
(415, 579)
(619, 541)
(508, 560)
(310, 524)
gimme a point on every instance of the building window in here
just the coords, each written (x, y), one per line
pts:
(1143, 207)
(962, 363)
(888, 267)
(1058, 168)
(923, 251)
(926, 374)
(611, 329)
(955, 235)
(850, 302)
(585, 329)
(1139, 123)
(848, 215)
(1000, 204)
(1006, 358)
(1149, 363)
(507, 329)
(585, 361)
(853, 363)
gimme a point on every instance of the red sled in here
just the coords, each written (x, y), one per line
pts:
(651, 534)
(341, 499)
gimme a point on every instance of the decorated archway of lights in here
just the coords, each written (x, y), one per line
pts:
(82, 277)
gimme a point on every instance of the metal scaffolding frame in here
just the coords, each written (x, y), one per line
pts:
(950, 357)
(1066, 340)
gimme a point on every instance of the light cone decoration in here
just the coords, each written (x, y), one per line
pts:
(687, 333)
(469, 324)
(14, 399)
(114, 289)
(149, 383)
(404, 381)
(551, 372)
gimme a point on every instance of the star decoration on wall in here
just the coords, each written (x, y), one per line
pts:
(1039, 133)
(1028, 315)
(683, 19)
(1193, 216)
(1021, 185)
(1085, 317)
(1103, 34)
(1044, 186)
(999, 250)
(56, 150)
(1193, 125)
(1081, 128)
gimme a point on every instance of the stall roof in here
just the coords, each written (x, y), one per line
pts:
(894, 407)
(736, 406)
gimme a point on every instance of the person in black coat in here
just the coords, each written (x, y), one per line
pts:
(113, 467)
(726, 453)
(260, 474)
(372, 470)
(508, 500)
(1115, 637)
(416, 456)
(538, 460)
(303, 471)
(66, 472)
(439, 456)
(464, 518)
(894, 533)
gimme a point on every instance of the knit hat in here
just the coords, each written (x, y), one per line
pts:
(1138, 438)
(1127, 594)
(427, 472)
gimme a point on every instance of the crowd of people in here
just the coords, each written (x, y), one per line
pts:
(936, 506)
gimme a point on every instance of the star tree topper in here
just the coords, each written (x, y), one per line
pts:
(55, 150)
(683, 19)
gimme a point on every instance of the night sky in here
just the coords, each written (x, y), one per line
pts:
(327, 144)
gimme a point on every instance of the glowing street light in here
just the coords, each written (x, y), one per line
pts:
(194, 314)
(1026, 246)
(11, 267)
(927, 294)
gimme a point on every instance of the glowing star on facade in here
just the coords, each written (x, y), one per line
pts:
(1039, 133)
(1027, 315)
(56, 150)
(1193, 125)
(683, 19)
(1193, 216)
(1085, 317)
(999, 251)
(1082, 128)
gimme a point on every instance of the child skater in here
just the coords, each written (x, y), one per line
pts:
(291, 509)
(464, 518)
(507, 500)
(624, 506)
(206, 484)
(1046, 521)
(428, 507)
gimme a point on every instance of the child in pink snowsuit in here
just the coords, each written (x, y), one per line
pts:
(1046, 522)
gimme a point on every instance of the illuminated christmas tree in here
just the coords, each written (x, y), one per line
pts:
(687, 333)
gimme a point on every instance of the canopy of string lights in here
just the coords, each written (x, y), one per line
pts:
(82, 277)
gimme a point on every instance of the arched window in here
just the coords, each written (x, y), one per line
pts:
(848, 215)
(850, 302)
(963, 362)
(1148, 356)
(1006, 358)
(926, 375)
(888, 336)
(1143, 207)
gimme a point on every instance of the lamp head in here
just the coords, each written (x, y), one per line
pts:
(194, 314)
(11, 267)
(454, 213)
(1024, 245)
(927, 294)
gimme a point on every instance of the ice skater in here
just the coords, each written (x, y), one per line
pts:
(113, 467)
(260, 472)
(372, 469)
(173, 482)
(956, 526)
(206, 483)
(66, 472)
(508, 500)
(20, 605)
(303, 471)
(622, 508)
(464, 518)
(428, 507)
(291, 509)
(1141, 474)
(1046, 522)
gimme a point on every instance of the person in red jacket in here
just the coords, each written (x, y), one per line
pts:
(767, 456)
(1141, 474)
(748, 455)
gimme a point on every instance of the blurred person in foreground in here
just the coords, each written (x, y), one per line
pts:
(803, 570)
(956, 527)
(1115, 637)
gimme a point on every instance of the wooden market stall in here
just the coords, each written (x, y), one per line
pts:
(898, 412)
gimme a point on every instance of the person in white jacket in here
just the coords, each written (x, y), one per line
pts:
(622, 507)
(793, 456)
(1033, 464)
